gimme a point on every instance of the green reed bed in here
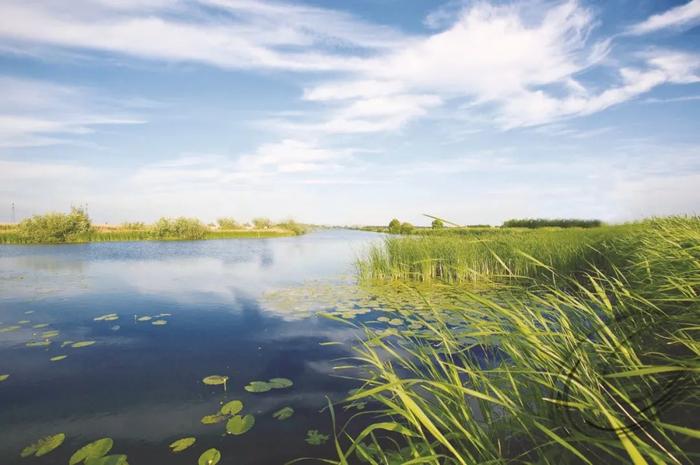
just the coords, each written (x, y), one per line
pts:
(494, 255)
(596, 367)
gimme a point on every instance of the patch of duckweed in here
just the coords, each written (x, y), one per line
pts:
(283, 413)
(182, 444)
(315, 438)
(43, 446)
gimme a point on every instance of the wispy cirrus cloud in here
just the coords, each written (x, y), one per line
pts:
(37, 113)
(679, 17)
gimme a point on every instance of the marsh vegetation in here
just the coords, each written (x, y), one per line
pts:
(76, 226)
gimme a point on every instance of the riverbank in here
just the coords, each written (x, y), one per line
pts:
(584, 349)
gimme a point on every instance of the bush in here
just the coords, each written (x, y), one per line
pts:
(179, 228)
(293, 226)
(262, 223)
(406, 228)
(56, 227)
(395, 226)
(438, 224)
(228, 223)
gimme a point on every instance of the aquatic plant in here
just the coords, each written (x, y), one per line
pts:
(43, 446)
(593, 363)
(55, 227)
(216, 380)
(283, 413)
(315, 438)
(209, 457)
(549, 223)
(240, 424)
(182, 444)
(92, 451)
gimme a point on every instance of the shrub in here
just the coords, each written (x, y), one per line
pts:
(56, 227)
(395, 226)
(228, 223)
(134, 226)
(438, 224)
(179, 228)
(293, 226)
(262, 223)
(406, 228)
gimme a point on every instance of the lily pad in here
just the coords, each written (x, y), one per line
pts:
(40, 325)
(240, 424)
(216, 380)
(182, 444)
(213, 419)
(38, 343)
(49, 334)
(118, 459)
(280, 383)
(94, 450)
(159, 322)
(283, 413)
(108, 317)
(144, 318)
(232, 408)
(23, 322)
(80, 344)
(209, 457)
(10, 329)
(44, 445)
(4, 377)
(315, 438)
(396, 322)
(58, 358)
(258, 386)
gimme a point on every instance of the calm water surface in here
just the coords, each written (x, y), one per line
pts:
(140, 384)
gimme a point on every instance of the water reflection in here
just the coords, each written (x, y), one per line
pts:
(141, 384)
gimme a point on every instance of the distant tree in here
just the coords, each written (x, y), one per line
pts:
(56, 227)
(406, 228)
(438, 224)
(395, 226)
(262, 223)
(228, 223)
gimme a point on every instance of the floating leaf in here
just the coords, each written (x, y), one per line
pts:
(40, 325)
(4, 377)
(182, 444)
(396, 322)
(38, 343)
(283, 413)
(159, 322)
(119, 459)
(44, 445)
(23, 322)
(258, 386)
(239, 425)
(58, 358)
(315, 438)
(94, 450)
(66, 343)
(209, 457)
(108, 317)
(280, 383)
(49, 334)
(213, 419)
(216, 380)
(80, 344)
(144, 318)
(10, 329)
(232, 408)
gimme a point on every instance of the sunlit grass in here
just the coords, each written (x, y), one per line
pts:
(595, 359)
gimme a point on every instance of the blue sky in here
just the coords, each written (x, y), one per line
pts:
(344, 112)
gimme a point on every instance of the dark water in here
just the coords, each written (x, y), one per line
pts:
(141, 384)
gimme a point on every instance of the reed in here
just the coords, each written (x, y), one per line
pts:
(596, 361)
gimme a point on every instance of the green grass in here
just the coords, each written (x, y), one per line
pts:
(591, 356)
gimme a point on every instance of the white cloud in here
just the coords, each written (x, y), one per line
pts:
(680, 16)
(36, 113)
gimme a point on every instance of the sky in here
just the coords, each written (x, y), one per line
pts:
(350, 112)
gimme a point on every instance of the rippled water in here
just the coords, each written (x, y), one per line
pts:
(140, 384)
